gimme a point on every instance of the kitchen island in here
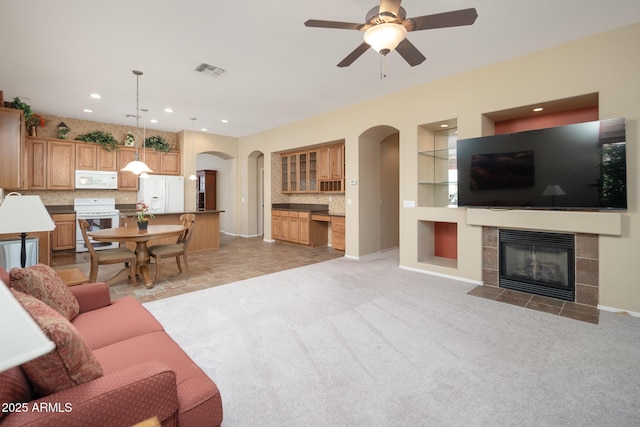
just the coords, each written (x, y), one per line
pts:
(207, 227)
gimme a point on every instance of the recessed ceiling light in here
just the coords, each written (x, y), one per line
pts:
(154, 120)
(87, 110)
(444, 125)
(204, 129)
(224, 121)
(95, 96)
(168, 110)
(538, 109)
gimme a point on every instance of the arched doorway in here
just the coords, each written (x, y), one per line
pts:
(379, 189)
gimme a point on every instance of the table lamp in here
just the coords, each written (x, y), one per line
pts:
(22, 338)
(24, 214)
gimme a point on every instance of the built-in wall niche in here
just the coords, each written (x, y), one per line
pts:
(438, 243)
(437, 174)
(559, 112)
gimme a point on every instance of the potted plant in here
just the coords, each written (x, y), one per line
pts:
(33, 121)
(143, 215)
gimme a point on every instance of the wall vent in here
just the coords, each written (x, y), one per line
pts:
(210, 70)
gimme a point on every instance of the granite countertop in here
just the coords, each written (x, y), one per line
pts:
(301, 207)
(128, 212)
(60, 209)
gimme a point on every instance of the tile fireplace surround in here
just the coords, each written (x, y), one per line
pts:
(586, 275)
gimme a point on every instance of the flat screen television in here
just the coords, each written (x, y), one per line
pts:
(580, 167)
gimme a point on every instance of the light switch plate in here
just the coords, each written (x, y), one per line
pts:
(409, 203)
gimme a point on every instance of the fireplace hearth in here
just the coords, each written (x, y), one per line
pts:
(538, 263)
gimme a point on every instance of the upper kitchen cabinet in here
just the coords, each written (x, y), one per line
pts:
(316, 170)
(126, 180)
(12, 145)
(92, 157)
(160, 162)
(61, 158)
(170, 163)
(331, 168)
(50, 164)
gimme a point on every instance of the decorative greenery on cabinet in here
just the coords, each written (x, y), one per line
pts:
(105, 139)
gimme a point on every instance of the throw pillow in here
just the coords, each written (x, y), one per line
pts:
(70, 363)
(42, 282)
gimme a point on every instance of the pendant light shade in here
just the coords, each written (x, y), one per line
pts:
(136, 166)
(383, 38)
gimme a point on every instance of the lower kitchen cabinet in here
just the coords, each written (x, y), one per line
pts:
(64, 235)
(297, 227)
(337, 233)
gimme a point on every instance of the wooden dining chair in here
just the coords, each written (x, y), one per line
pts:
(107, 256)
(174, 250)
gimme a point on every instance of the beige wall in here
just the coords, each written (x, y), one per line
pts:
(607, 64)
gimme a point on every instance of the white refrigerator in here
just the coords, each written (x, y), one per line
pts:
(163, 193)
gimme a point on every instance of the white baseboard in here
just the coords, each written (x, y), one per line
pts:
(618, 310)
(447, 276)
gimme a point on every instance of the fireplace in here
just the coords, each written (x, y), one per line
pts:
(538, 263)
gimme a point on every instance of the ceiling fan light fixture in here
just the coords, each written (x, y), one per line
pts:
(384, 38)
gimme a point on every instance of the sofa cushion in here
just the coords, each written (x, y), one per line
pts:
(14, 388)
(124, 318)
(42, 282)
(70, 363)
(199, 400)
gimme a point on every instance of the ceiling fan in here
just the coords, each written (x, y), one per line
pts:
(386, 28)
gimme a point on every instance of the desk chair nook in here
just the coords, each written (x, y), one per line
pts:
(107, 256)
(174, 250)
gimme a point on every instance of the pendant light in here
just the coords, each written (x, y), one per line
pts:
(192, 177)
(136, 166)
(144, 175)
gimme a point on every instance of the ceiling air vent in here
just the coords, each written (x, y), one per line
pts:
(210, 70)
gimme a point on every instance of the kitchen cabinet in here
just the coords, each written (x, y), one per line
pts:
(61, 165)
(297, 227)
(64, 235)
(12, 145)
(160, 162)
(295, 172)
(126, 180)
(331, 167)
(206, 190)
(338, 233)
(152, 159)
(50, 164)
(170, 163)
(36, 164)
(90, 156)
(317, 170)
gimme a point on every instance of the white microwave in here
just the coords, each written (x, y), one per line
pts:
(96, 180)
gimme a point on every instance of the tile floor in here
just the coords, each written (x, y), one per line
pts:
(536, 302)
(238, 258)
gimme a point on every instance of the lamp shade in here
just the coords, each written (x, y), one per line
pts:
(137, 167)
(553, 190)
(383, 38)
(22, 338)
(24, 214)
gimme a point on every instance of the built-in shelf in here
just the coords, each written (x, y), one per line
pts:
(437, 175)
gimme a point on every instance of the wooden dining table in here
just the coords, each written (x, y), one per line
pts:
(140, 238)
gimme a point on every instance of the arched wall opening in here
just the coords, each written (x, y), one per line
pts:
(379, 189)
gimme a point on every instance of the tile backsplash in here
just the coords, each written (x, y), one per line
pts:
(55, 198)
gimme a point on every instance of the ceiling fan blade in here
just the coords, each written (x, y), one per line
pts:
(354, 55)
(455, 18)
(390, 8)
(332, 24)
(410, 53)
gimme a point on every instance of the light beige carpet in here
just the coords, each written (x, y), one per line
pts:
(364, 343)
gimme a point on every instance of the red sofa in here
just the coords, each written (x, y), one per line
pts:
(145, 373)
